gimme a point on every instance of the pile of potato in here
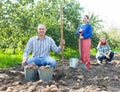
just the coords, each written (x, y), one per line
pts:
(51, 88)
(31, 66)
(45, 67)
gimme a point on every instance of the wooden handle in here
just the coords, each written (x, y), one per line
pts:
(61, 30)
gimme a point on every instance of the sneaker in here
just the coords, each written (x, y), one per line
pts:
(99, 62)
(107, 62)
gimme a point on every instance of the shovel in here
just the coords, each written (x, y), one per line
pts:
(80, 45)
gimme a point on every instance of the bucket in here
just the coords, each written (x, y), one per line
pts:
(31, 74)
(73, 62)
(45, 74)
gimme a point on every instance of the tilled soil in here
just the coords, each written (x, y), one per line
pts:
(100, 78)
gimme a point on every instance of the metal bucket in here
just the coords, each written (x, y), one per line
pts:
(45, 74)
(31, 74)
(73, 62)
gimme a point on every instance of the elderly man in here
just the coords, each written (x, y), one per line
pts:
(40, 46)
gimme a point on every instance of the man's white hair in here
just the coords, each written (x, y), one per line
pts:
(41, 25)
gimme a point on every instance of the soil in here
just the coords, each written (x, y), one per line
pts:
(100, 78)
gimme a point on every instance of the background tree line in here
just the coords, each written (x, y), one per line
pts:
(19, 20)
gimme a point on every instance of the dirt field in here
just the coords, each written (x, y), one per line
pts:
(100, 78)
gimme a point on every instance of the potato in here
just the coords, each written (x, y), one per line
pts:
(53, 86)
(39, 82)
(9, 89)
(54, 90)
(46, 90)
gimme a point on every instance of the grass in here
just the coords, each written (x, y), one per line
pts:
(116, 50)
(68, 53)
(7, 60)
(93, 52)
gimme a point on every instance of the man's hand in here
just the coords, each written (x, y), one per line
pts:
(24, 62)
(62, 42)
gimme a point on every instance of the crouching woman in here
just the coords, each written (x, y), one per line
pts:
(104, 51)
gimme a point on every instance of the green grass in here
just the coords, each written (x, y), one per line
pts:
(7, 60)
(70, 53)
(93, 52)
(116, 50)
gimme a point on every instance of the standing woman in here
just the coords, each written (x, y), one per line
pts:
(85, 32)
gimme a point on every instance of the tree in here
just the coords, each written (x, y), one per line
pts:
(19, 20)
(96, 24)
(113, 37)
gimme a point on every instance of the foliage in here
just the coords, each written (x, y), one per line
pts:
(19, 20)
(96, 24)
(7, 60)
(113, 37)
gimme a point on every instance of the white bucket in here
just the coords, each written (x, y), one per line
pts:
(73, 62)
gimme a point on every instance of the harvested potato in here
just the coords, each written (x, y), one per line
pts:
(54, 89)
(46, 90)
(31, 66)
(53, 86)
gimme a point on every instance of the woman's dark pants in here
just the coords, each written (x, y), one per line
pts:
(111, 55)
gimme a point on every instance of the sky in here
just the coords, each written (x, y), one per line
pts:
(107, 10)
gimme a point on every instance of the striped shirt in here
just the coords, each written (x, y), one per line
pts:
(103, 50)
(40, 48)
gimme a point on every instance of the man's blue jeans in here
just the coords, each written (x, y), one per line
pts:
(42, 61)
(111, 55)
